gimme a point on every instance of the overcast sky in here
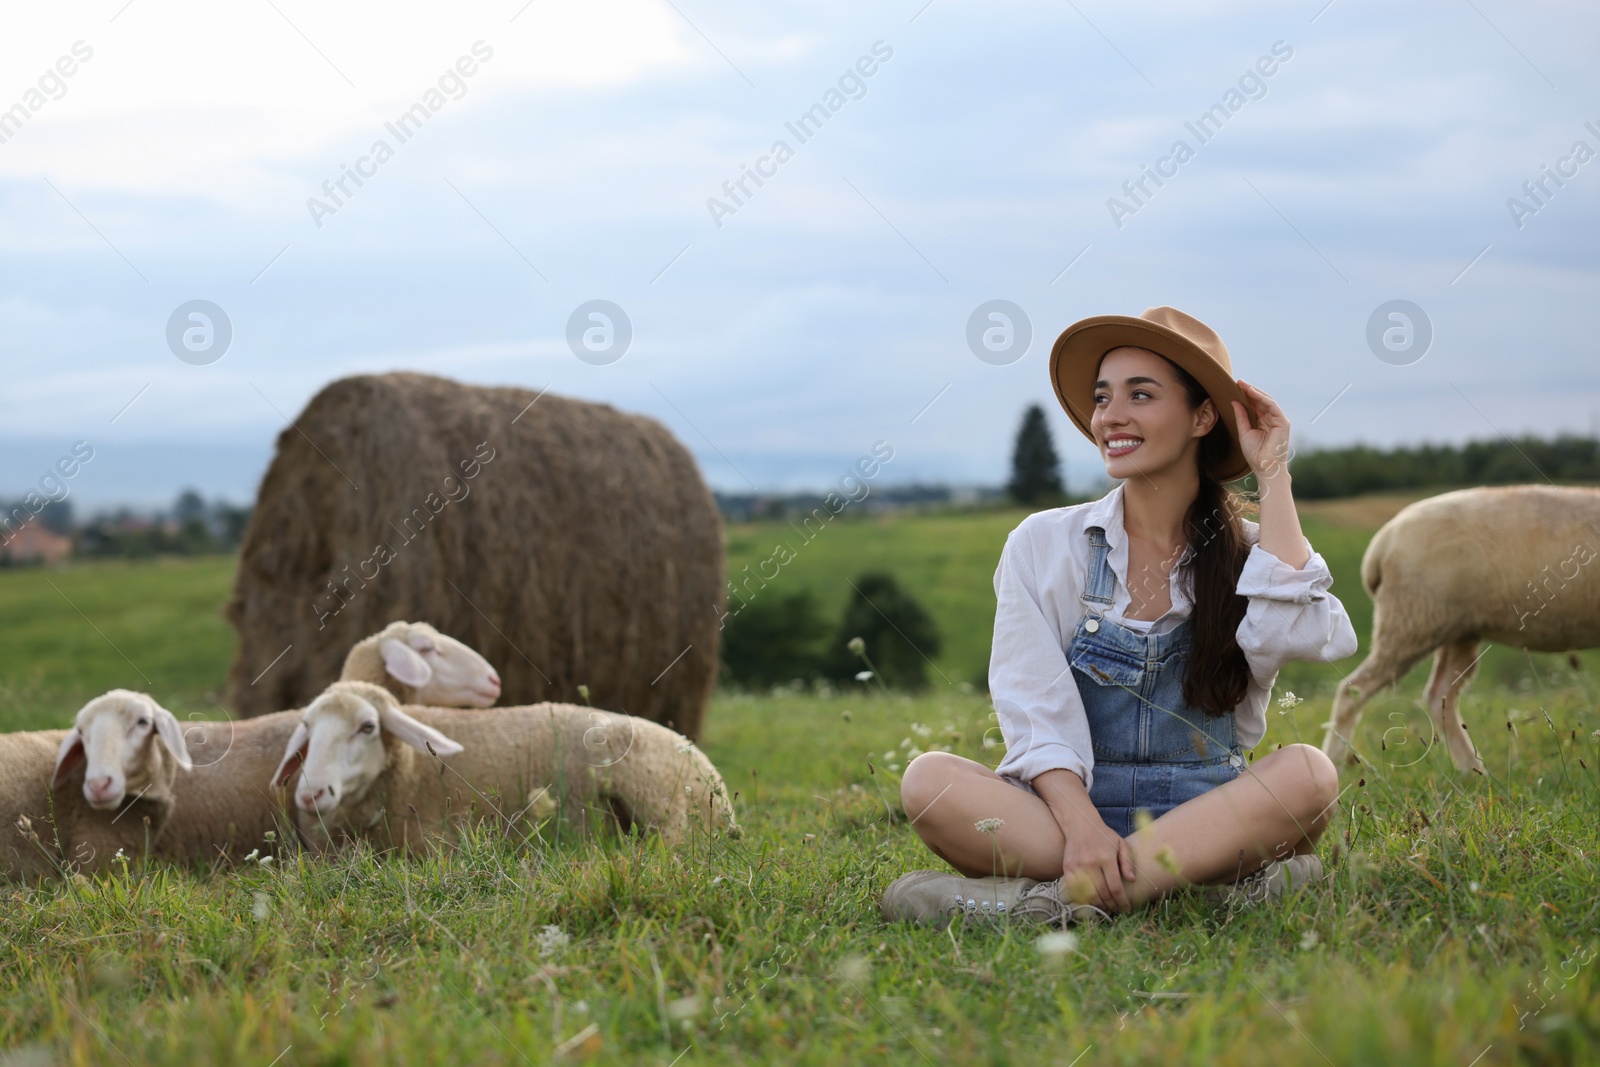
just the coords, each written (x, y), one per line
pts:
(781, 329)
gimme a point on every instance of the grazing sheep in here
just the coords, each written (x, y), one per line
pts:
(365, 769)
(420, 665)
(1509, 564)
(570, 542)
(226, 808)
(66, 799)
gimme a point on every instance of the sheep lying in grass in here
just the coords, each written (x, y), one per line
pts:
(71, 799)
(397, 777)
(420, 665)
(225, 805)
(1512, 564)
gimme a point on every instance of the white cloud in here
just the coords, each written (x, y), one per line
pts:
(204, 100)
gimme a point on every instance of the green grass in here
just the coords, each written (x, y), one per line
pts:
(1460, 918)
(947, 562)
(69, 635)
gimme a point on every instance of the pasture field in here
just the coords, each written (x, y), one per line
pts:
(1459, 925)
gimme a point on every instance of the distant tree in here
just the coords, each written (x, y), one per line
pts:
(1356, 469)
(229, 522)
(899, 635)
(190, 506)
(773, 639)
(57, 517)
(1035, 467)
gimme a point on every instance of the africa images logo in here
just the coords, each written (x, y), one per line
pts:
(405, 127)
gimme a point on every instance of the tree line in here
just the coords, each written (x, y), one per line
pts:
(1325, 473)
(192, 526)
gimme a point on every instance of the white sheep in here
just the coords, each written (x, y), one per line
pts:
(72, 799)
(1509, 564)
(420, 665)
(226, 807)
(399, 777)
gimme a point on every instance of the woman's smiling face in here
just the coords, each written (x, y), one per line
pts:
(1141, 406)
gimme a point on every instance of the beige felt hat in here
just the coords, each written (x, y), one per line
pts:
(1184, 339)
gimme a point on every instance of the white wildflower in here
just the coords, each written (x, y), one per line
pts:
(1056, 944)
(1289, 700)
(266, 861)
(543, 804)
(255, 854)
(553, 941)
(1309, 941)
(988, 826)
(921, 730)
(684, 1007)
(855, 969)
(856, 645)
(862, 676)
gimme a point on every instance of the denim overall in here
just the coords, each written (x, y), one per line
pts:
(1151, 751)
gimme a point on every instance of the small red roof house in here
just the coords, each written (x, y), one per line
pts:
(32, 543)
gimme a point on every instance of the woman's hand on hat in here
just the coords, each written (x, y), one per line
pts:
(1265, 444)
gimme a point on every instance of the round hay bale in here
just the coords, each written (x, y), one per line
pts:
(569, 542)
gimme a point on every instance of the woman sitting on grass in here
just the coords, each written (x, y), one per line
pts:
(1136, 640)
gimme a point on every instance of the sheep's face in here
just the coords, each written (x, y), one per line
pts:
(338, 747)
(443, 671)
(128, 743)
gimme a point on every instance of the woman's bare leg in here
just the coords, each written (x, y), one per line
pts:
(1277, 808)
(945, 796)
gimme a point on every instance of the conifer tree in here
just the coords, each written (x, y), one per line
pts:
(1035, 467)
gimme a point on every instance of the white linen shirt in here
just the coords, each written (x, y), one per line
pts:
(1038, 584)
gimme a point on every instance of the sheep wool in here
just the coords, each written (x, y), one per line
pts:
(53, 830)
(568, 542)
(520, 764)
(30, 847)
(224, 806)
(1512, 564)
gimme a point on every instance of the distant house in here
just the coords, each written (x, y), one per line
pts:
(32, 543)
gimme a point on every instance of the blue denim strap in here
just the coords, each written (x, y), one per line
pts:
(1098, 579)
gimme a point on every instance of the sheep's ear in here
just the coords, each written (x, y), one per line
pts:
(293, 756)
(404, 663)
(171, 735)
(68, 756)
(416, 734)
